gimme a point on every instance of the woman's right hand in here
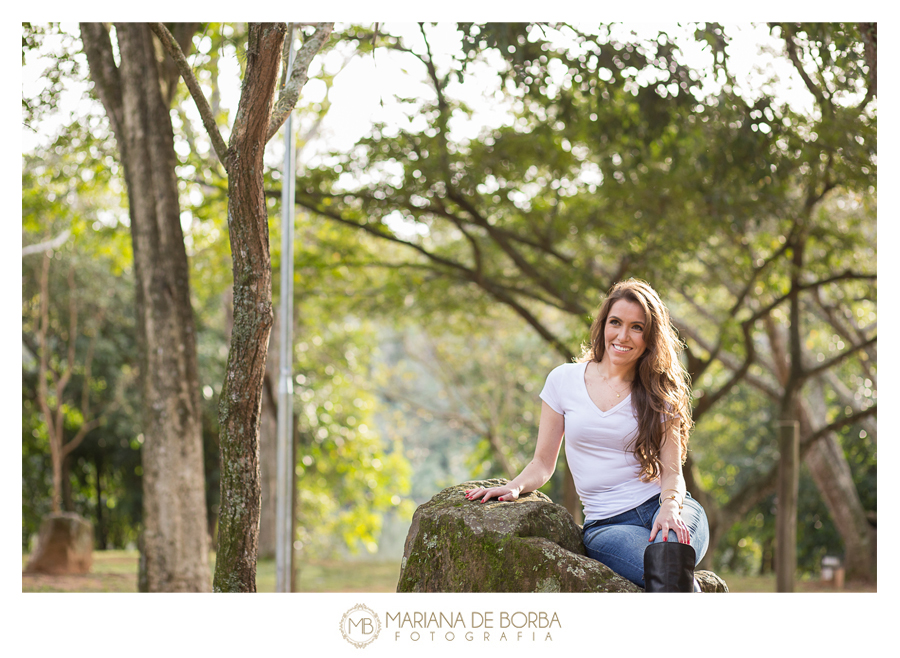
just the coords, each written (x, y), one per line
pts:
(539, 470)
(504, 493)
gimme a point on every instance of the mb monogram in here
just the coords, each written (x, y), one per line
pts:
(360, 626)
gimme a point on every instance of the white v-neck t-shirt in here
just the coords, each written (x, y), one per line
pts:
(599, 445)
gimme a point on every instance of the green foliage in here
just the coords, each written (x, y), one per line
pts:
(67, 187)
(620, 160)
(421, 249)
(348, 475)
(37, 485)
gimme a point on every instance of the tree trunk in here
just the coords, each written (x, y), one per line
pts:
(268, 434)
(241, 398)
(101, 515)
(68, 502)
(831, 473)
(176, 545)
(789, 436)
(828, 467)
(268, 453)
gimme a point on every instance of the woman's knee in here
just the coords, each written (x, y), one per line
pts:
(695, 518)
(621, 548)
(619, 540)
(661, 536)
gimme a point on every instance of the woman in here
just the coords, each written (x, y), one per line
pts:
(624, 408)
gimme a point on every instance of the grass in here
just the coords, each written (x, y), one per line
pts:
(757, 584)
(112, 571)
(116, 571)
(338, 576)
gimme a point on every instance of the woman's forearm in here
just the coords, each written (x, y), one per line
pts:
(671, 477)
(533, 477)
(673, 484)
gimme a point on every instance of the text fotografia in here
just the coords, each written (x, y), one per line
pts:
(478, 626)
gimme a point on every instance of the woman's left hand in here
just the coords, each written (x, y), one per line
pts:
(669, 518)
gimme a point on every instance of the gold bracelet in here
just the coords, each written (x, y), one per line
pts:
(672, 497)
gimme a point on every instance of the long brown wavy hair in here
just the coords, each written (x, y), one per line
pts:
(661, 386)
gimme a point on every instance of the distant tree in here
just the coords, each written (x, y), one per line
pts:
(54, 377)
(137, 94)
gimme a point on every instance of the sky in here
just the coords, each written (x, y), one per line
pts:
(365, 90)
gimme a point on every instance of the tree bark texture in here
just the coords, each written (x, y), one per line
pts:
(268, 452)
(831, 472)
(786, 517)
(241, 398)
(789, 436)
(268, 435)
(175, 541)
(828, 467)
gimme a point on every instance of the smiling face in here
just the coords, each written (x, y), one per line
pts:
(624, 333)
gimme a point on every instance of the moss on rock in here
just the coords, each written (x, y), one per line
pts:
(529, 545)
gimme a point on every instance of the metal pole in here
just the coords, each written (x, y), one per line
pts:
(284, 446)
(786, 519)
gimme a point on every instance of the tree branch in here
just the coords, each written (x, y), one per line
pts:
(169, 73)
(527, 269)
(497, 291)
(437, 209)
(286, 53)
(55, 243)
(834, 426)
(846, 275)
(104, 73)
(76, 440)
(834, 321)
(757, 271)
(171, 45)
(707, 401)
(299, 76)
(837, 359)
(758, 487)
(869, 33)
(729, 361)
(791, 49)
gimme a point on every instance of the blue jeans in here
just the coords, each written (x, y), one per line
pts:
(619, 541)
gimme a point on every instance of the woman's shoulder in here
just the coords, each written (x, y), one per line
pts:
(567, 369)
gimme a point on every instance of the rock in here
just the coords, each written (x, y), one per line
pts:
(530, 545)
(64, 545)
(710, 582)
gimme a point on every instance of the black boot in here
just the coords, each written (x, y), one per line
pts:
(669, 567)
